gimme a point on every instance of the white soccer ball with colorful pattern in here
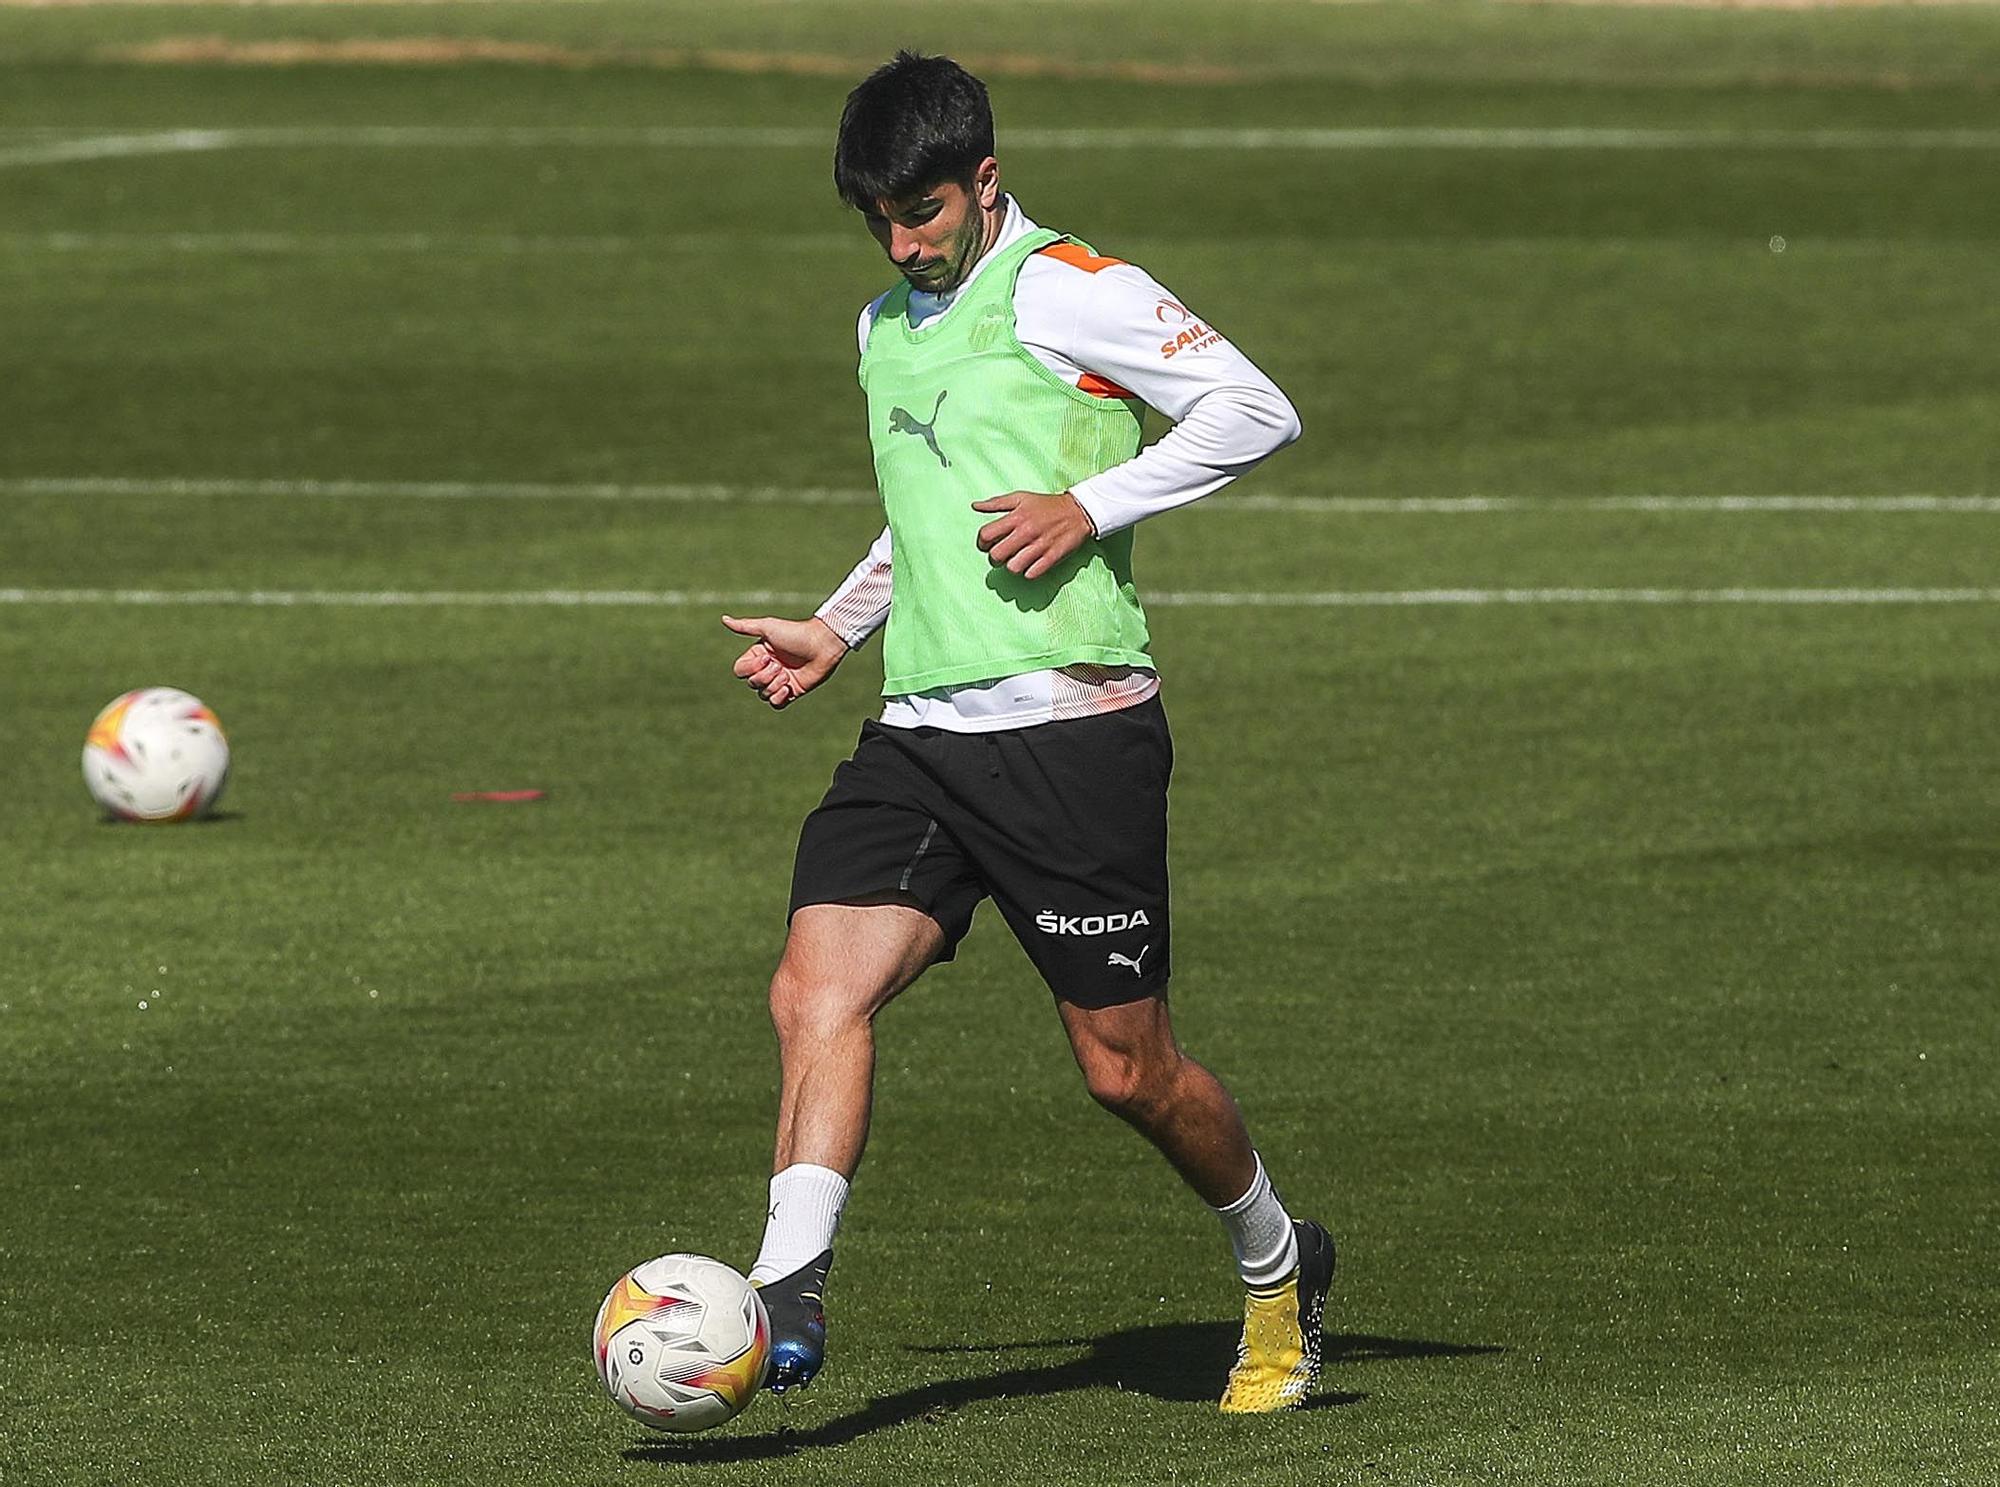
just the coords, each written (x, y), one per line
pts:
(682, 1343)
(156, 754)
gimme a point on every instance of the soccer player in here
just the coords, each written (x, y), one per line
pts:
(1022, 753)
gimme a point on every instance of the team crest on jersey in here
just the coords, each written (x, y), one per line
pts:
(988, 329)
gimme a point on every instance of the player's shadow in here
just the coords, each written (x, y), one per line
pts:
(1183, 1362)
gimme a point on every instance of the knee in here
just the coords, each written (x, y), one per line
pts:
(807, 1008)
(1132, 1087)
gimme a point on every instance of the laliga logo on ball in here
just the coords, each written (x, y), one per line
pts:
(156, 754)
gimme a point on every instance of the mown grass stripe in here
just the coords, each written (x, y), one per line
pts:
(723, 493)
(500, 244)
(1167, 599)
(40, 149)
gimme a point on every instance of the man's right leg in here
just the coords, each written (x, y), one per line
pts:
(843, 963)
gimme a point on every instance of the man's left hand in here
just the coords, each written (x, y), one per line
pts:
(1034, 532)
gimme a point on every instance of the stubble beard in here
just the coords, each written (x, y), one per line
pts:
(963, 253)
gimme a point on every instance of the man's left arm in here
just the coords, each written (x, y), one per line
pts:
(1130, 335)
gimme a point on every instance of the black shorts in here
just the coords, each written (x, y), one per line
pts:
(1063, 825)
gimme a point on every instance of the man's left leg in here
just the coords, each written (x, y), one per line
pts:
(1136, 1069)
(1067, 826)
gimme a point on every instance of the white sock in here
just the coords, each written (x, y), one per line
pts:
(1260, 1231)
(805, 1211)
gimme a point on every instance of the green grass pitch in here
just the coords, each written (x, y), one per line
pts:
(1616, 978)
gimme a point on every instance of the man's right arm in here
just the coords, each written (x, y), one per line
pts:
(859, 607)
(791, 657)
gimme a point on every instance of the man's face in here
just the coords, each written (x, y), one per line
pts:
(935, 237)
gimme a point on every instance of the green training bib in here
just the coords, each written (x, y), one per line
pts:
(958, 410)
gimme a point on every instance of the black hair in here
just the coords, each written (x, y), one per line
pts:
(913, 122)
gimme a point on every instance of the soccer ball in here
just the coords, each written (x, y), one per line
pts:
(682, 1343)
(156, 755)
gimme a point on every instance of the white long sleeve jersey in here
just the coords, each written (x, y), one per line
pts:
(1109, 328)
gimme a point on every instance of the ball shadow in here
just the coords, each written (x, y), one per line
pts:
(210, 818)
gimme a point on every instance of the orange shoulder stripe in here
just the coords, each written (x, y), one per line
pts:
(1100, 387)
(1077, 256)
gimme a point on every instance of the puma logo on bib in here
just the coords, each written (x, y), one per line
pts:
(903, 421)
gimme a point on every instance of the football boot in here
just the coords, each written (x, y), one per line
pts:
(1277, 1362)
(796, 1307)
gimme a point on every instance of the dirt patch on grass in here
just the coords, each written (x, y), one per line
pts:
(445, 51)
(414, 51)
(211, 4)
(1685, 4)
(1763, 4)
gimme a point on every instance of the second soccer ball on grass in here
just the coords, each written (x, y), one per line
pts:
(156, 754)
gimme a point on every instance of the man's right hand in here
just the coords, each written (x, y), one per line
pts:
(790, 657)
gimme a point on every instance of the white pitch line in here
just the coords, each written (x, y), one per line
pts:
(687, 599)
(1398, 598)
(721, 494)
(456, 245)
(1473, 505)
(443, 490)
(1422, 137)
(118, 146)
(406, 598)
(450, 244)
(112, 144)
(1917, 502)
